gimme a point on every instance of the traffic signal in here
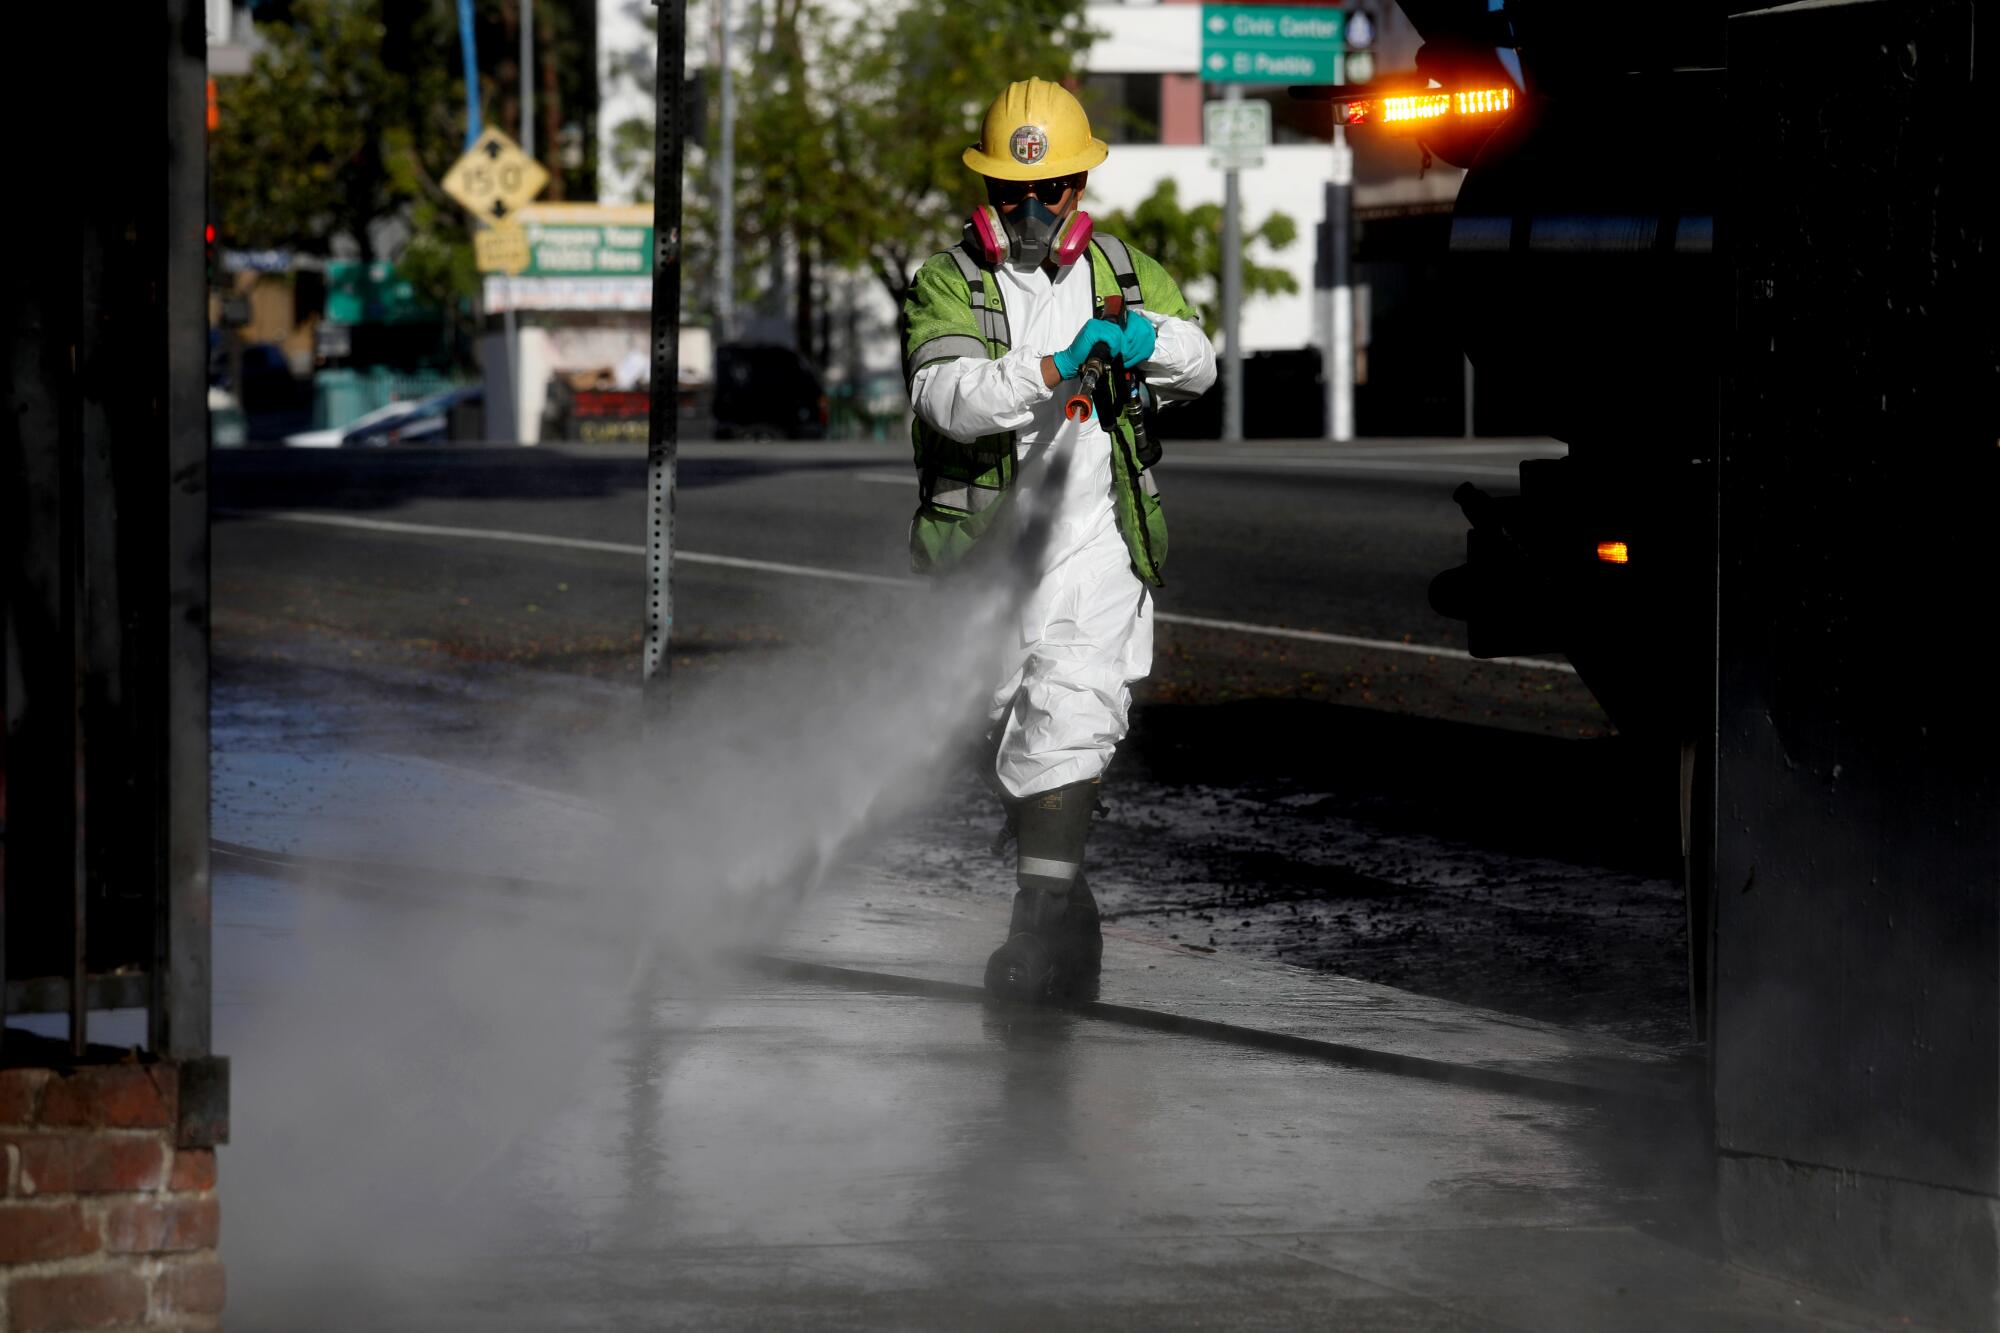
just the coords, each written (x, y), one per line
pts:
(1358, 36)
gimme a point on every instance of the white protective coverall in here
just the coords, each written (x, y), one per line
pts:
(1085, 632)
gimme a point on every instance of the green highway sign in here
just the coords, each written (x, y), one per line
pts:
(1271, 44)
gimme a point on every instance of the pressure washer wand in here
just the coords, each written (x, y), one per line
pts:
(1095, 367)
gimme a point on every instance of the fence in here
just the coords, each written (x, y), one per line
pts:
(341, 397)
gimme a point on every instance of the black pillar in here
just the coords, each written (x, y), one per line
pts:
(1857, 860)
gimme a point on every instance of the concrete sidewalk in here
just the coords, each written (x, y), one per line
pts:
(846, 1136)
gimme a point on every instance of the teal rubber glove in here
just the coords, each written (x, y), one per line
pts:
(1094, 331)
(1139, 340)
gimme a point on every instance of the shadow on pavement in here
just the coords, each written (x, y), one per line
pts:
(1610, 802)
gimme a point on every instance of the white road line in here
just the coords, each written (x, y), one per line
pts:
(433, 530)
(1530, 449)
(800, 571)
(1334, 465)
(570, 543)
(849, 576)
(1351, 641)
(1370, 462)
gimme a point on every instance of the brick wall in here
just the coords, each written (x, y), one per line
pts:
(104, 1221)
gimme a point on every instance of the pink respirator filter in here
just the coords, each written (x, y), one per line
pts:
(987, 232)
(1071, 238)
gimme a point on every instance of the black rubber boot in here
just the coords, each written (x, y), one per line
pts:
(1054, 946)
(1024, 968)
(1086, 943)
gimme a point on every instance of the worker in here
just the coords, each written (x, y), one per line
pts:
(996, 331)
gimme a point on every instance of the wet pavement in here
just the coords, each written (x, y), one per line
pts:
(459, 1104)
(492, 1071)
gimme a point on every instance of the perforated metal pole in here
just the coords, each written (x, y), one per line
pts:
(663, 431)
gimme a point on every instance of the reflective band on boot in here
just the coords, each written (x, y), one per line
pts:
(1053, 945)
(1051, 829)
(1050, 874)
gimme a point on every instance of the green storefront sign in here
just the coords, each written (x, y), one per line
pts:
(372, 293)
(1270, 44)
(587, 250)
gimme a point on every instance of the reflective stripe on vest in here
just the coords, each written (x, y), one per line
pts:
(992, 320)
(992, 323)
(944, 348)
(953, 494)
(1120, 258)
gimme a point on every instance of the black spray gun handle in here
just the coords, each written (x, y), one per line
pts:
(1095, 366)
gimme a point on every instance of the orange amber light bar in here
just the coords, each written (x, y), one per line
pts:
(1482, 101)
(1614, 553)
(1407, 110)
(1421, 106)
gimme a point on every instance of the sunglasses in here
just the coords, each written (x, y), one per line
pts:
(1049, 192)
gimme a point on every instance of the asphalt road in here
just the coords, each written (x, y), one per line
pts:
(1316, 772)
(1339, 542)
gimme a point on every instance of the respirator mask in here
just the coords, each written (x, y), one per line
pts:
(1033, 234)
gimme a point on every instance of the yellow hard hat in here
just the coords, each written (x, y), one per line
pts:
(1034, 131)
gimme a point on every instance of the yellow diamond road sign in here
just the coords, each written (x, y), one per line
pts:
(494, 177)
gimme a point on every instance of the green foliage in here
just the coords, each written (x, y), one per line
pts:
(354, 110)
(849, 133)
(1188, 243)
(305, 142)
(917, 88)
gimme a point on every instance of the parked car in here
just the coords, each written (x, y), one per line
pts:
(226, 428)
(767, 393)
(411, 421)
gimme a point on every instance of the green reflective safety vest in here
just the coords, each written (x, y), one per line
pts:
(952, 310)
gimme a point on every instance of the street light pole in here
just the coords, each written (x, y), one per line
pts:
(1232, 295)
(1340, 293)
(528, 77)
(510, 325)
(725, 185)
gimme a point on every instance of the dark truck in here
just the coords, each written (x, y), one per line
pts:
(1745, 261)
(1583, 263)
(767, 393)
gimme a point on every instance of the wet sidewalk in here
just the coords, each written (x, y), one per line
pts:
(845, 1135)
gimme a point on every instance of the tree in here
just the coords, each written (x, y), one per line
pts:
(354, 110)
(304, 148)
(1188, 242)
(848, 137)
(917, 88)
